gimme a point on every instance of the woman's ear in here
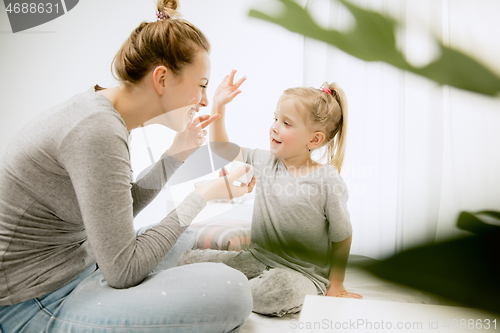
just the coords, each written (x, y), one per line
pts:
(160, 74)
(317, 140)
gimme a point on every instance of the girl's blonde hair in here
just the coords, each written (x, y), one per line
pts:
(325, 112)
(170, 41)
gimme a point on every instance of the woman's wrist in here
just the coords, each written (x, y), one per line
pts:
(204, 192)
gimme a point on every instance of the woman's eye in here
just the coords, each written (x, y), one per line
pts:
(203, 86)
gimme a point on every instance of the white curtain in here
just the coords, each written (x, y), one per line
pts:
(417, 154)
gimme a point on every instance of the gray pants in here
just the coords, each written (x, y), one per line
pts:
(275, 291)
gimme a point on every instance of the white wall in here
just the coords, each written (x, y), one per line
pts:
(47, 64)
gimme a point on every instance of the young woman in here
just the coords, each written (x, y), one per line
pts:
(70, 259)
(301, 231)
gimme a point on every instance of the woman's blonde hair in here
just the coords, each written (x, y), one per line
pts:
(170, 41)
(326, 111)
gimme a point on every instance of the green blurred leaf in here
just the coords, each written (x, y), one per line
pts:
(471, 222)
(463, 270)
(373, 39)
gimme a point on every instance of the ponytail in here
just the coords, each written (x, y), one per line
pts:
(336, 138)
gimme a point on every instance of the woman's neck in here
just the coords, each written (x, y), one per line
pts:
(134, 103)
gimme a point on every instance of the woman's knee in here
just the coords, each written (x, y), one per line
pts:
(205, 297)
(227, 291)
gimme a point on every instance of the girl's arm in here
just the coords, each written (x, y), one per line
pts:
(224, 94)
(340, 254)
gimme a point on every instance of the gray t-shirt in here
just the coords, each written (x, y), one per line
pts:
(67, 201)
(296, 219)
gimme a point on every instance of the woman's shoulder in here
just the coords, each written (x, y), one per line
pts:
(86, 111)
(85, 117)
(89, 111)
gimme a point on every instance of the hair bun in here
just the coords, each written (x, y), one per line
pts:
(169, 8)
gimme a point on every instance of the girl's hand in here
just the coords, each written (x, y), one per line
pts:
(186, 142)
(338, 290)
(228, 90)
(223, 188)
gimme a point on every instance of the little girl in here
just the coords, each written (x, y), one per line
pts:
(301, 231)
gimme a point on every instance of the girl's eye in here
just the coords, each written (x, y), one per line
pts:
(286, 123)
(203, 86)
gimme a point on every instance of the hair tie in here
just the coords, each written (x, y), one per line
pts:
(161, 16)
(328, 91)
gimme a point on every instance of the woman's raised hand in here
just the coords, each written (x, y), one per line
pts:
(227, 90)
(223, 188)
(186, 142)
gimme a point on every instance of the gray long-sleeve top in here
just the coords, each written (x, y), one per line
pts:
(67, 201)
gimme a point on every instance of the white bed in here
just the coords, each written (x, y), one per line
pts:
(356, 280)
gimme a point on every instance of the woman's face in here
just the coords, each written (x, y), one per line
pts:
(187, 92)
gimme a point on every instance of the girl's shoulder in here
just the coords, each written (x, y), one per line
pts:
(258, 156)
(331, 178)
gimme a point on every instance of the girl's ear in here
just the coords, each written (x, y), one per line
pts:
(318, 139)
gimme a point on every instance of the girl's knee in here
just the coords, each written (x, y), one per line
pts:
(198, 256)
(280, 291)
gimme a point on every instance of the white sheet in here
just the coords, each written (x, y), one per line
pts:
(356, 280)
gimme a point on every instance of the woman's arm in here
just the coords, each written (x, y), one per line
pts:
(94, 153)
(145, 189)
(340, 254)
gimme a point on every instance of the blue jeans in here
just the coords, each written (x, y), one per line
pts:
(206, 297)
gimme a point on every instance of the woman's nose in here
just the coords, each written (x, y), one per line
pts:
(204, 100)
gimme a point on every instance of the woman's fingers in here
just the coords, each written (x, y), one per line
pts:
(197, 120)
(223, 172)
(208, 121)
(244, 188)
(251, 184)
(237, 173)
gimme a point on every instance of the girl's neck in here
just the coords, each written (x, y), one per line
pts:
(299, 165)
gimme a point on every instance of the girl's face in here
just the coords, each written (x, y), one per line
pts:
(187, 93)
(289, 135)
